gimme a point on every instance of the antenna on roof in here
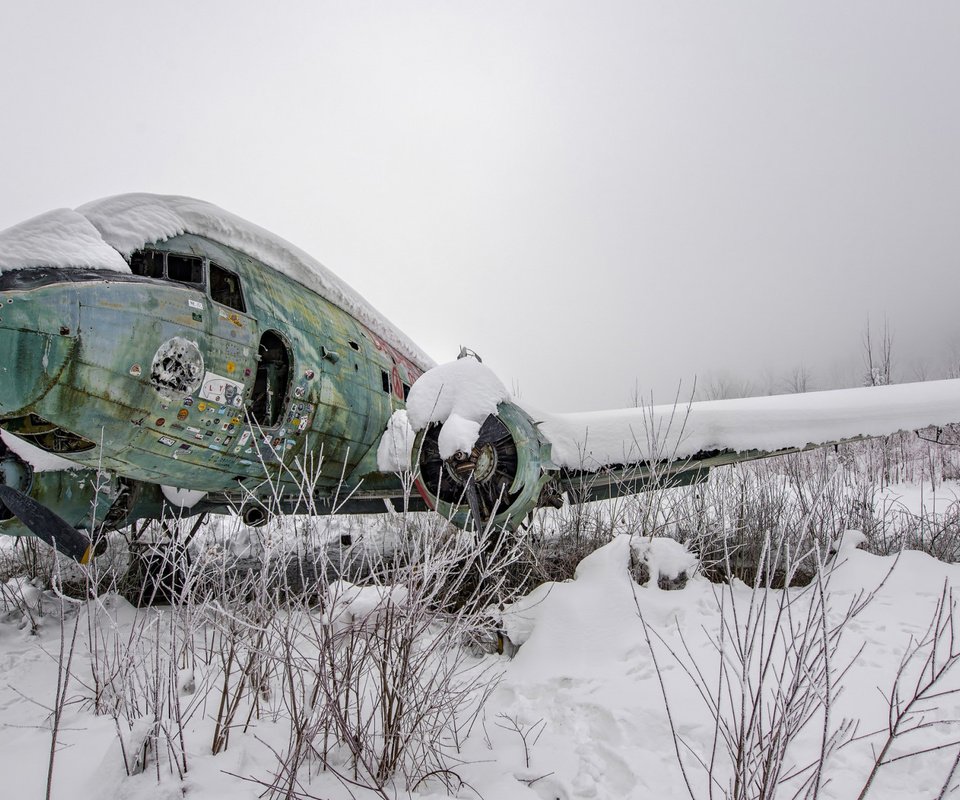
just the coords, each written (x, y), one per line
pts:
(466, 352)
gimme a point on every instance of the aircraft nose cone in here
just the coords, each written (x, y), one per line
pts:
(36, 339)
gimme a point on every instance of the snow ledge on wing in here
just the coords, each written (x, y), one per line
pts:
(592, 440)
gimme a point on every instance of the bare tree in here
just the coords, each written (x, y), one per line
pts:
(877, 356)
(798, 380)
(723, 386)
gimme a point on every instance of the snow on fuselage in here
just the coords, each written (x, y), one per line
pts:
(208, 354)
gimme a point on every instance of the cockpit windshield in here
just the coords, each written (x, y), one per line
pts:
(225, 286)
(171, 266)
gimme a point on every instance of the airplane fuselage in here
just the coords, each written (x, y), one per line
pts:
(178, 355)
(215, 372)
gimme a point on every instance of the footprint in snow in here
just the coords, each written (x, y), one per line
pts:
(546, 787)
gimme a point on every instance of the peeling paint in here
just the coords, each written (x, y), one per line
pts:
(177, 366)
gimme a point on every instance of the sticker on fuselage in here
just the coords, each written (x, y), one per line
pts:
(219, 389)
(232, 317)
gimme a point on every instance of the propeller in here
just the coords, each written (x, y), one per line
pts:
(46, 525)
(483, 476)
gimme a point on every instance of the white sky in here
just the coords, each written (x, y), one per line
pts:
(588, 194)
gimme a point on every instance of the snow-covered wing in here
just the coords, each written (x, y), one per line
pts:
(765, 424)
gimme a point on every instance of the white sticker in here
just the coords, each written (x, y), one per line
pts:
(219, 389)
(195, 304)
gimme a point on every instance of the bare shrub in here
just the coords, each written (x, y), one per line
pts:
(775, 678)
(919, 688)
(28, 557)
(380, 681)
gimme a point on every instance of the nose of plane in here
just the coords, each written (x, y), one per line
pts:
(38, 333)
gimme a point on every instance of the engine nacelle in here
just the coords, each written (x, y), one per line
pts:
(510, 465)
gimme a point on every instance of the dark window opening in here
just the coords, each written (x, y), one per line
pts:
(185, 269)
(406, 391)
(385, 381)
(225, 287)
(272, 381)
(148, 263)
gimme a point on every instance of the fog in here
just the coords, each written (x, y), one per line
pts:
(605, 200)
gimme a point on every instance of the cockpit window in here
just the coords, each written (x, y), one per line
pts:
(148, 263)
(225, 287)
(184, 269)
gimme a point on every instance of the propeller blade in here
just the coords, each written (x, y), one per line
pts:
(46, 525)
(474, 501)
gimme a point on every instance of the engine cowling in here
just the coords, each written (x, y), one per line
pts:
(509, 465)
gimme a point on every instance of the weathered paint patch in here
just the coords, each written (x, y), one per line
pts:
(177, 366)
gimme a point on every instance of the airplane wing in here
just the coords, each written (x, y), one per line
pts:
(606, 453)
(482, 454)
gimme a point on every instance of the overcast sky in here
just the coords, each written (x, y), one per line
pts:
(594, 196)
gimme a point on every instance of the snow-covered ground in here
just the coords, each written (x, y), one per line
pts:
(580, 710)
